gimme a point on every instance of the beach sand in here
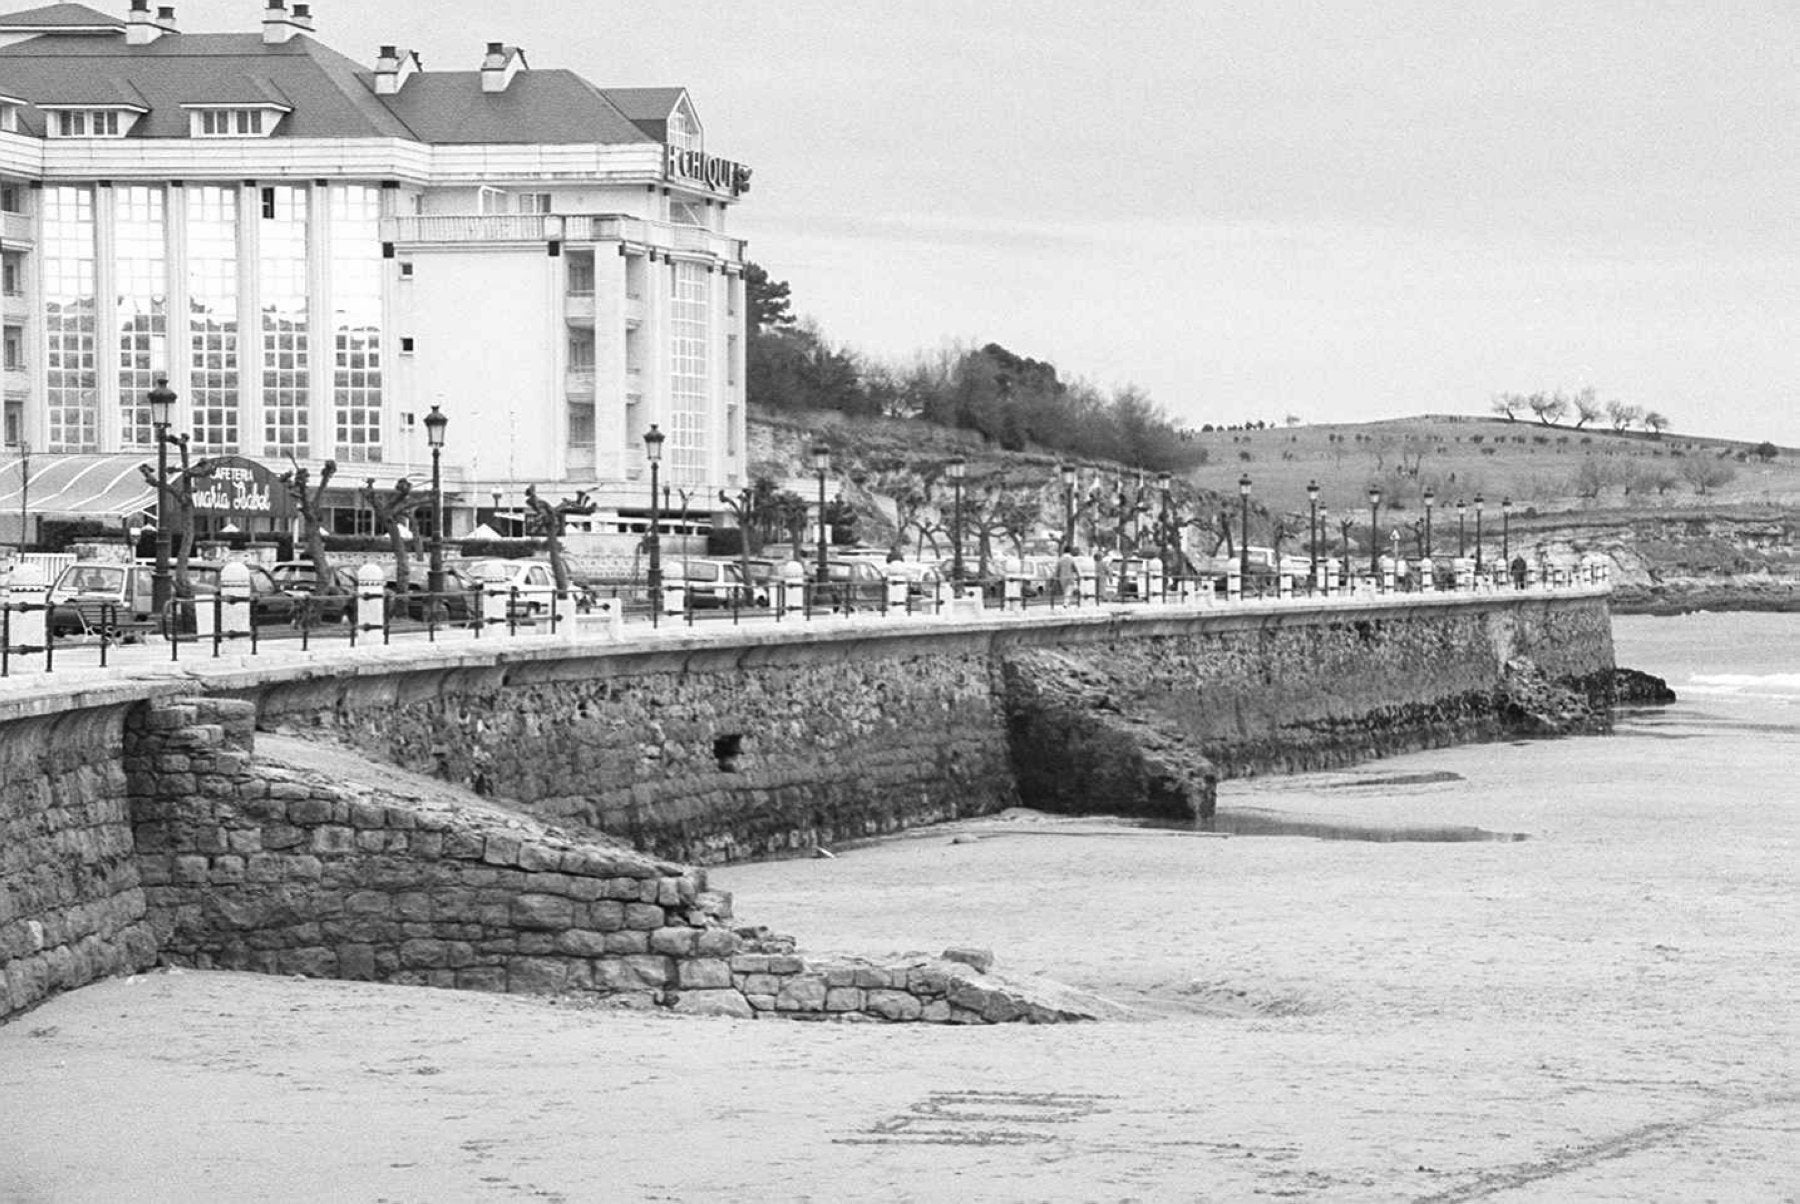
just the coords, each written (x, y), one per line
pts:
(1601, 1011)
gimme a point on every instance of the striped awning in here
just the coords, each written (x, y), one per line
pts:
(76, 485)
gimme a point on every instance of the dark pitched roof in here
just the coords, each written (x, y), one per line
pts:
(326, 89)
(647, 108)
(449, 107)
(59, 16)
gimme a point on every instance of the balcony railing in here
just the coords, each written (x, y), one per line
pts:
(579, 307)
(575, 228)
(580, 382)
(15, 227)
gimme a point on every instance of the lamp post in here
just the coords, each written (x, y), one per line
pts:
(821, 462)
(1460, 507)
(1312, 531)
(1244, 527)
(497, 495)
(1165, 537)
(162, 408)
(653, 441)
(1374, 531)
(1478, 533)
(1068, 484)
(955, 469)
(1506, 530)
(1325, 537)
(435, 422)
(1429, 498)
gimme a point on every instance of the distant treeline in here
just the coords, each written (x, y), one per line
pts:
(1012, 401)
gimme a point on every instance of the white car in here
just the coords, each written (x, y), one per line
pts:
(532, 579)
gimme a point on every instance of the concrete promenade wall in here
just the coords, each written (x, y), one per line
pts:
(123, 842)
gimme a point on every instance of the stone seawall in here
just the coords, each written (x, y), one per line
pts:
(705, 753)
(71, 906)
(140, 821)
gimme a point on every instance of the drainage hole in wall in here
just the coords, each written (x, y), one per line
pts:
(727, 750)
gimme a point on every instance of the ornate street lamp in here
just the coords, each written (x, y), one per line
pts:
(1325, 536)
(162, 410)
(955, 470)
(1460, 507)
(653, 442)
(1374, 530)
(1478, 533)
(1506, 531)
(1068, 483)
(1312, 530)
(435, 422)
(821, 462)
(1430, 497)
(1244, 527)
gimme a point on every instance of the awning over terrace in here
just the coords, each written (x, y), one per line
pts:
(76, 485)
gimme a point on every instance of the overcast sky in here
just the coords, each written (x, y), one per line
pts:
(1334, 210)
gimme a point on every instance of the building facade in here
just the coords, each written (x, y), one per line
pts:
(316, 251)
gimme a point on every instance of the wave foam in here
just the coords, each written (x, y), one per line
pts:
(1740, 683)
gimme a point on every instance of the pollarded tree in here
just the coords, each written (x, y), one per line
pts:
(1508, 405)
(552, 523)
(394, 513)
(1655, 423)
(175, 505)
(309, 500)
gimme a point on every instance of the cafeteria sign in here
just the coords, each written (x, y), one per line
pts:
(241, 487)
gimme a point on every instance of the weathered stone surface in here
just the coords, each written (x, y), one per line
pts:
(713, 1003)
(982, 960)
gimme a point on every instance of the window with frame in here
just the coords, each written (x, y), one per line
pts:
(581, 351)
(14, 341)
(581, 273)
(684, 131)
(581, 424)
(88, 123)
(9, 118)
(531, 202)
(233, 123)
(12, 274)
(15, 423)
(11, 199)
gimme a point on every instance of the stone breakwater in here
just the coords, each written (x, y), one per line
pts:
(281, 869)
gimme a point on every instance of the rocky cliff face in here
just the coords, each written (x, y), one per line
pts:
(1667, 562)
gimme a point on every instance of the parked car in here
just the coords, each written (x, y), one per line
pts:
(533, 584)
(302, 577)
(711, 583)
(854, 583)
(96, 596)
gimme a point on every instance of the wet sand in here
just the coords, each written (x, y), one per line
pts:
(1604, 1010)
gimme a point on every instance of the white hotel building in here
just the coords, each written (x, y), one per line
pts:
(316, 251)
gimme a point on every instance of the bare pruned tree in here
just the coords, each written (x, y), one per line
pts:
(551, 523)
(394, 513)
(175, 501)
(309, 500)
(1587, 407)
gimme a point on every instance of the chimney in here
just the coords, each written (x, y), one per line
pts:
(500, 65)
(279, 25)
(165, 19)
(303, 17)
(393, 69)
(140, 30)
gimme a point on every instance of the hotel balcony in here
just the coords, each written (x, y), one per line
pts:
(14, 305)
(526, 228)
(578, 308)
(16, 382)
(634, 310)
(580, 384)
(581, 460)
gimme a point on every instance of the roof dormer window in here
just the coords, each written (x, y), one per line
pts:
(9, 114)
(684, 131)
(91, 123)
(235, 121)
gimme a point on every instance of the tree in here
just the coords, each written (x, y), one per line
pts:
(1655, 423)
(1706, 474)
(1587, 407)
(309, 500)
(394, 513)
(175, 505)
(1507, 405)
(551, 523)
(1548, 407)
(1765, 451)
(766, 302)
(1622, 415)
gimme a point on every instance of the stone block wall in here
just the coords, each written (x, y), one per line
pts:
(710, 756)
(71, 908)
(258, 867)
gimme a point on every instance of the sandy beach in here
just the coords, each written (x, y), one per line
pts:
(1602, 1010)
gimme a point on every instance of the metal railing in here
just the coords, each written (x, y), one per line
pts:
(46, 636)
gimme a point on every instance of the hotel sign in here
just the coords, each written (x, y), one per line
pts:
(709, 171)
